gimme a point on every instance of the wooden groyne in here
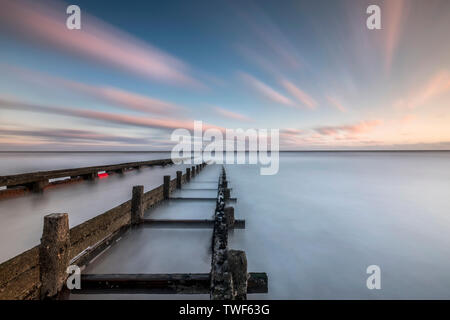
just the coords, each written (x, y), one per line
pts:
(41, 272)
(20, 184)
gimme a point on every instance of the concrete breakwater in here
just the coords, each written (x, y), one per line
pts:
(40, 272)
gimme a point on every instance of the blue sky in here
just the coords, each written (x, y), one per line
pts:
(138, 70)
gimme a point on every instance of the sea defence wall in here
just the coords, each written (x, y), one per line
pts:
(21, 184)
(40, 272)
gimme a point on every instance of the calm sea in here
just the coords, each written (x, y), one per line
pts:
(314, 227)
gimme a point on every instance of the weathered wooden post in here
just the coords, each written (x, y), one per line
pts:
(226, 193)
(54, 254)
(237, 264)
(38, 186)
(179, 174)
(193, 171)
(166, 187)
(90, 176)
(229, 216)
(137, 205)
(188, 174)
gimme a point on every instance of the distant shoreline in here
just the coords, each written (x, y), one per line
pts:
(281, 151)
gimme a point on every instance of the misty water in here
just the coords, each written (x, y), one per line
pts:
(314, 227)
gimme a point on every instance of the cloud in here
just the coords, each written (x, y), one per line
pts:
(232, 115)
(265, 90)
(116, 96)
(393, 16)
(407, 119)
(291, 131)
(69, 135)
(269, 34)
(299, 94)
(354, 129)
(45, 25)
(437, 85)
(337, 104)
(146, 122)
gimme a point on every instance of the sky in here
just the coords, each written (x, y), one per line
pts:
(138, 70)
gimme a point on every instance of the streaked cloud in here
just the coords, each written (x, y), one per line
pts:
(70, 135)
(269, 33)
(336, 103)
(436, 86)
(354, 129)
(265, 90)
(299, 94)
(44, 24)
(291, 131)
(231, 115)
(146, 122)
(116, 96)
(393, 16)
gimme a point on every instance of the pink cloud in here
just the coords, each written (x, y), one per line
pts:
(355, 129)
(265, 90)
(135, 101)
(96, 40)
(299, 94)
(437, 85)
(159, 123)
(232, 115)
(393, 14)
(116, 96)
(291, 131)
(70, 135)
(408, 118)
(337, 104)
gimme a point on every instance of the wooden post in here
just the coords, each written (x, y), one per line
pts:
(38, 186)
(237, 264)
(179, 174)
(193, 171)
(226, 193)
(229, 216)
(137, 205)
(188, 174)
(90, 176)
(166, 188)
(54, 254)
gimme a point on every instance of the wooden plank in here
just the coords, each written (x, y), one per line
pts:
(25, 178)
(185, 223)
(175, 283)
(202, 199)
(85, 257)
(190, 283)
(200, 189)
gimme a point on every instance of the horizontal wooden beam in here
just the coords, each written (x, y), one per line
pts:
(88, 255)
(185, 223)
(203, 199)
(26, 178)
(176, 283)
(200, 189)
